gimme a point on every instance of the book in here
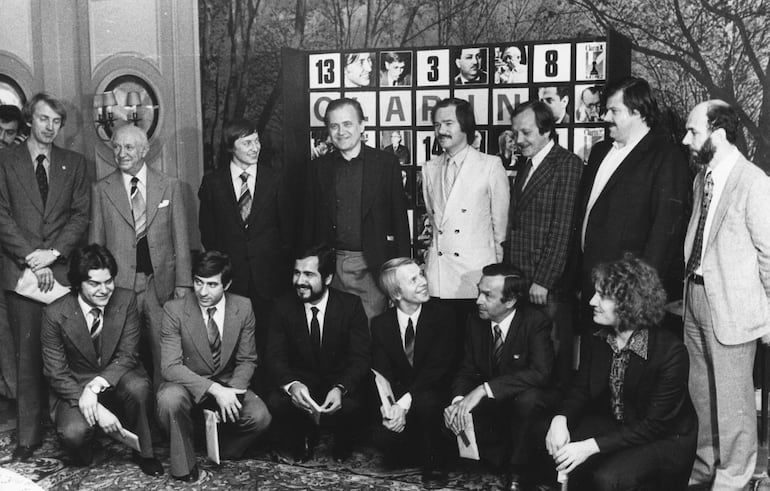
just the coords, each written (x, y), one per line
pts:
(466, 440)
(130, 439)
(385, 391)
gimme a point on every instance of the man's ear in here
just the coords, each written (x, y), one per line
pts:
(227, 286)
(328, 279)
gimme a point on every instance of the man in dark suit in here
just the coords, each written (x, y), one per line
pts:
(414, 347)
(43, 216)
(318, 358)
(355, 202)
(139, 213)
(245, 213)
(507, 364)
(634, 191)
(208, 357)
(541, 222)
(90, 341)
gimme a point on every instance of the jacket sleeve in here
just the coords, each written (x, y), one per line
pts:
(171, 360)
(400, 222)
(180, 236)
(127, 350)
(359, 349)
(246, 356)
(500, 196)
(55, 365)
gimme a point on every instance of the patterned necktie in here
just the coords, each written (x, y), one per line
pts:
(409, 342)
(244, 201)
(213, 333)
(697, 245)
(95, 330)
(450, 174)
(315, 332)
(497, 347)
(42, 178)
(521, 178)
(138, 209)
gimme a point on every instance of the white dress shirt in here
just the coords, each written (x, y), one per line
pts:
(538, 159)
(235, 173)
(142, 184)
(219, 315)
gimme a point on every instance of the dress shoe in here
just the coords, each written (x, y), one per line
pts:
(341, 451)
(434, 479)
(306, 449)
(149, 465)
(513, 483)
(191, 477)
(23, 453)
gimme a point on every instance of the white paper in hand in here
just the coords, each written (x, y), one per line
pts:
(212, 436)
(466, 440)
(385, 391)
(316, 410)
(27, 287)
(130, 440)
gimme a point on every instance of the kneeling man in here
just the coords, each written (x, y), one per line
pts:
(507, 363)
(90, 345)
(207, 357)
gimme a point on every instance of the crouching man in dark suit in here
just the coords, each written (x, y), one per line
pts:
(414, 346)
(507, 363)
(317, 355)
(90, 344)
(208, 355)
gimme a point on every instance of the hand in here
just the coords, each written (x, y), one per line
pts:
(88, 404)
(40, 258)
(300, 396)
(108, 422)
(227, 399)
(180, 291)
(538, 295)
(557, 436)
(44, 279)
(572, 455)
(397, 419)
(455, 415)
(333, 401)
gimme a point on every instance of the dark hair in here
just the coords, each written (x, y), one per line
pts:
(561, 90)
(390, 57)
(55, 104)
(212, 263)
(637, 96)
(10, 113)
(724, 116)
(543, 116)
(343, 101)
(515, 286)
(463, 113)
(635, 288)
(236, 129)
(327, 258)
(85, 259)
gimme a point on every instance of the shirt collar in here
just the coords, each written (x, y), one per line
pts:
(86, 308)
(321, 305)
(236, 171)
(33, 152)
(637, 343)
(505, 324)
(721, 168)
(539, 156)
(220, 306)
(403, 318)
(460, 156)
(141, 175)
(631, 143)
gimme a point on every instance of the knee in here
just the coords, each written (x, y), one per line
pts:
(528, 402)
(605, 478)
(256, 417)
(137, 387)
(75, 434)
(172, 399)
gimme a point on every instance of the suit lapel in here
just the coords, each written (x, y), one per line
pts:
(75, 327)
(24, 169)
(633, 159)
(331, 327)
(56, 178)
(426, 331)
(372, 179)
(156, 188)
(467, 172)
(196, 329)
(112, 329)
(223, 180)
(230, 331)
(540, 177)
(394, 343)
(263, 189)
(116, 193)
(725, 200)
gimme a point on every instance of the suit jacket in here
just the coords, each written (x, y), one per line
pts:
(403, 154)
(527, 358)
(185, 353)
(69, 358)
(656, 400)
(736, 261)
(468, 232)
(112, 225)
(345, 352)
(542, 220)
(384, 224)
(642, 209)
(25, 225)
(260, 252)
(435, 349)
(405, 80)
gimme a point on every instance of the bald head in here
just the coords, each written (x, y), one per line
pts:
(712, 127)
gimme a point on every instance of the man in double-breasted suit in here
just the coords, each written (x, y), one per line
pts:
(467, 195)
(541, 222)
(727, 295)
(414, 347)
(355, 202)
(506, 365)
(208, 357)
(317, 356)
(90, 341)
(139, 213)
(43, 216)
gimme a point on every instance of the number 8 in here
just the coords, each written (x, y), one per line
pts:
(551, 63)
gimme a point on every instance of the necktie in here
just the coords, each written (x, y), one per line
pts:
(42, 178)
(315, 332)
(138, 209)
(450, 174)
(213, 333)
(497, 347)
(95, 330)
(244, 200)
(697, 245)
(521, 178)
(409, 342)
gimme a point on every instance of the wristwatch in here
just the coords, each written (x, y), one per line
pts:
(341, 387)
(56, 253)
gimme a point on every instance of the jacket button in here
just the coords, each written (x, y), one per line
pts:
(457, 231)
(440, 253)
(440, 232)
(457, 255)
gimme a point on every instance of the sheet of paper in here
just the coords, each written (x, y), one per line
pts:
(316, 410)
(466, 440)
(27, 287)
(212, 436)
(385, 391)
(130, 440)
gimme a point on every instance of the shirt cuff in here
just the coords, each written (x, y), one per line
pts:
(99, 382)
(457, 399)
(488, 390)
(288, 386)
(405, 401)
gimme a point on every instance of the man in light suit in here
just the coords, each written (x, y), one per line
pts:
(90, 341)
(727, 295)
(467, 196)
(44, 205)
(541, 218)
(208, 357)
(138, 213)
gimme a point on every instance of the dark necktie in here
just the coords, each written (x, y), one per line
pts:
(138, 209)
(409, 342)
(521, 178)
(315, 332)
(244, 200)
(697, 245)
(497, 346)
(42, 178)
(215, 341)
(95, 330)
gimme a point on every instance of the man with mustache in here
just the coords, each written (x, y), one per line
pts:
(317, 357)
(727, 295)
(414, 348)
(633, 193)
(470, 63)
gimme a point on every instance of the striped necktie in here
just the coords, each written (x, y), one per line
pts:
(697, 246)
(497, 346)
(244, 200)
(96, 330)
(138, 209)
(215, 341)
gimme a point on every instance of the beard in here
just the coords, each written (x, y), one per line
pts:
(699, 159)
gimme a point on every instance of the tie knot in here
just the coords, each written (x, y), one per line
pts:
(40, 158)
(134, 181)
(498, 331)
(314, 310)
(96, 313)
(211, 311)
(409, 323)
(244, 176)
